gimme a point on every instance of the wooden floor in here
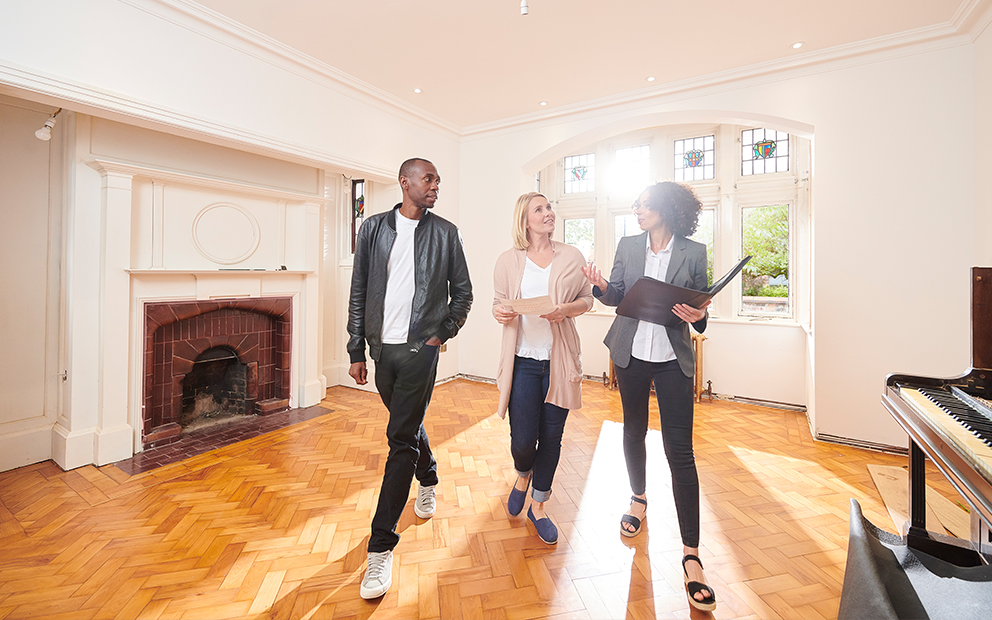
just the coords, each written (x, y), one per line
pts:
(277, 526)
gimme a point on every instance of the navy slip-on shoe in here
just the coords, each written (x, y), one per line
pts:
(546, 530)
(515, 503)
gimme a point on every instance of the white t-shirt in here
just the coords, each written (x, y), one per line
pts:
(534, 336)
(651, 343)
(401, 283)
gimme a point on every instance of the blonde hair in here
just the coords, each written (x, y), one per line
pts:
(519, 231)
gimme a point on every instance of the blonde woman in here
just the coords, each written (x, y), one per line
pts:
(540, 371)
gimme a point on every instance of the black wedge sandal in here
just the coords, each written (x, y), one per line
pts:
(632, 520)
(695, 587)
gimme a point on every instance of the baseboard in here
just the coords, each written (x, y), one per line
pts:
(25, 448)
(472, 378)
(858, 443)
(774, 404)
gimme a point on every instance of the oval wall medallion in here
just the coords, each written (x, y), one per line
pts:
(225, 233)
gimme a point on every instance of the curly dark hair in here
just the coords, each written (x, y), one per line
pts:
(677, 205)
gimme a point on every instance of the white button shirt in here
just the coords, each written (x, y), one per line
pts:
(651, 343)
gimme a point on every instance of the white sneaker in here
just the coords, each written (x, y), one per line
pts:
(426, 502)
(378, 574)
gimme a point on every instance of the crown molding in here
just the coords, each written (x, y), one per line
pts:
(970, 20)
(960, 30)
(973, 17)
(88, 100)
(158, 173)
(222, 29)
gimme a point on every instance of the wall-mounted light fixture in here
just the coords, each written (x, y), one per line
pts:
(45, 133)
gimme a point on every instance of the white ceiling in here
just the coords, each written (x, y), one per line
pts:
(481, 61)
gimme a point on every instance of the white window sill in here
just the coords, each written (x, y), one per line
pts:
(772, 321)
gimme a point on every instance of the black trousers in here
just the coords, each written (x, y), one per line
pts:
(405, 380)
(674, 392)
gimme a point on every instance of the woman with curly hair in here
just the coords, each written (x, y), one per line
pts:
(644, 352)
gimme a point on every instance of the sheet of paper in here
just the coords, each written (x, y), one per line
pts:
(533, 305)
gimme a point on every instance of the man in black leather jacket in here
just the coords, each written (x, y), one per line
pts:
(407, 263)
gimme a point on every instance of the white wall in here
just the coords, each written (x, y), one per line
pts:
(136, 196)
(158, 66)
(30, 244)
(887, 204)
(983, 150)
(888, 199)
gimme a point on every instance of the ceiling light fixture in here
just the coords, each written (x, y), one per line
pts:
(797, 45)
(524, 9)
(544, 103)
(416, 90)
(45, 133)
(651, 78)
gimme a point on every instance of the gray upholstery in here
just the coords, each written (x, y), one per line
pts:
(886, 579)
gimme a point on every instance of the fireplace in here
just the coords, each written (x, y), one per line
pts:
(216, 389)
(207, 361)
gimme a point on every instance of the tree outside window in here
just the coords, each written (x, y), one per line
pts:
(765, 237)
(704, 234)
(582, 234)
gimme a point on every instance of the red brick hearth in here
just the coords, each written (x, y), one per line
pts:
(258, 330)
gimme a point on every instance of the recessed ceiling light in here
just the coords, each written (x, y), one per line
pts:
(544, 103)
(651, 78)
(797, 45)
(416, 90)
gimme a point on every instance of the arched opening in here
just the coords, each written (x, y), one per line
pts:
(755, 201)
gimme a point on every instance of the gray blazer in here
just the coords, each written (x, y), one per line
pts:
(686, 269)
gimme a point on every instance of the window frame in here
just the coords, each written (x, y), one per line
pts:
(727, 194)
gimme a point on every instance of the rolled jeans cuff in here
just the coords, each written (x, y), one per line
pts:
(524, 474)
(540, 496)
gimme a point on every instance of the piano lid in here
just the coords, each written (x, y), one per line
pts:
(977, 380)
(981, 318)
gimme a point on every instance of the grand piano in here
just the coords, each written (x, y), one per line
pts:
(949, 421)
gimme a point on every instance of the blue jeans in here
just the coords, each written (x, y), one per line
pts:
(536, 427)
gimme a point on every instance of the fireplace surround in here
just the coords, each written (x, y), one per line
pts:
(257, 330)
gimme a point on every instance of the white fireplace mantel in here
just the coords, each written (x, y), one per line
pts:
(169, 235)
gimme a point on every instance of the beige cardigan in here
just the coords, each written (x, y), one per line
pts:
(565, 284)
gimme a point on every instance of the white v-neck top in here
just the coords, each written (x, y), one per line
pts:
(534, 336)
(651, 343)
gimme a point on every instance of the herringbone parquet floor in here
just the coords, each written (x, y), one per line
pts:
(277, 526)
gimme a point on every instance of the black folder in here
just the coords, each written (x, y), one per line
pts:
(652, 300)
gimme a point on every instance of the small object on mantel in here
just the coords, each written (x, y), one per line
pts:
(272, 405)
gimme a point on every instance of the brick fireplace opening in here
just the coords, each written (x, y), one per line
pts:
(216, 389)
(230, 355)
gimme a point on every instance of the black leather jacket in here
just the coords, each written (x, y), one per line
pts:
(440, 270)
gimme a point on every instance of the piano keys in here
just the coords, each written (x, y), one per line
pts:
(950, 422)
(968, 428)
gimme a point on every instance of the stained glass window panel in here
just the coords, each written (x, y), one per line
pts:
(631, 171)
(694, 158)
(357, 209)
(580, 173)
(764, 151)
(765, 237)
(581, 233)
